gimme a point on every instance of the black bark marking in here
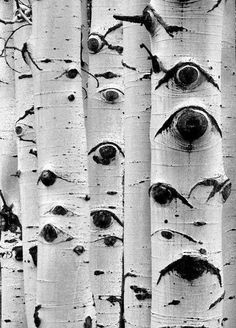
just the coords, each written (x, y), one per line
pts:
(145, 77)
(156, 63)
(98, 272)
(72, 73)
(168, 234)
(226, 191)
(18, 253)
(33, 152)
(88, 322)
(49, 233)
(27, 140)
(129, 274)
(141, 293)
(191, 125)
(217, 301)
(164, 193)
(169, 122)
(47, 177)
(114, 299)
(9, 220)
(190, 268)
(216, 187)
(37, 320)
(27, 56)
(110, 241)
(46, 60)
(181, 67)
(150, 19)
(71, 97)
(103, 218)
(128, 66)
(113, 28)
(59, 210)
(24, 76)
(110, 95)
(107, 75)
(79, 250)
(174, 302)
(215, 6)
(34, 254)
(112, 193)
(106, 143)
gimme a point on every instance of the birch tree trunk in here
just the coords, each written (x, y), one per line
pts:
(27, 162)
(63, 289)
(13, 313)
(106, 159)
(137, 224)
(229, 149)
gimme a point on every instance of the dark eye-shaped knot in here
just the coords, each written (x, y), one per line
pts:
(95, 43)
(105, 152)
(111, 94)
(187, 76)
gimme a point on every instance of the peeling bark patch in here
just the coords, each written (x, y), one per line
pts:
(49, 233)
(141, 293)
(34, 254)
(37, 320)
(59, 210)
(217, 186)
(163, 194)
(128, 66)
(79, 250)
(187, 80)
(98, 272)
(18, 253)
(7, 320)
(47, 177)
(190, 268)
(217, 301)
(88, 322)
(107, 75)
(215, 6)
(103, 218)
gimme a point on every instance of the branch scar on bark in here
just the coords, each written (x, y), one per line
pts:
(103, 218)
(168, 123)
(217, 301)
(216, 187)
(168, 234)
(150, 19)
(164, 193)
(188, 77)
(190, 268)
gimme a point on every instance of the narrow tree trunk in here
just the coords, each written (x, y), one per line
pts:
(63, 289)
(27, 164)
(13, 312)
(137, 225)
(106, 159)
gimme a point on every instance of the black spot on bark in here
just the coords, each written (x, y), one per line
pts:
(98, 272)
(190, 268)
(47, 60)
(112, 193)
(87, 198)
(103, 218)
(107, 75)
(33, 152)
(34, 254)
(141, 293)
(7, 320)
(113, 299)
(174, 302)
(110, 241)
(49, 233)
(163, 194)
(88, 322)
(166, 234)
(71, 97)
(199, 223)
(79, 250)
(59, 210)
(72, 73)
(217, 301)
(37, 320)
(25, 76)
(47, 177)
(18, 253)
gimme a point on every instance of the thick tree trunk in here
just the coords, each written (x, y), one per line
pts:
(137, 224)
(63, 289)
(106, 159)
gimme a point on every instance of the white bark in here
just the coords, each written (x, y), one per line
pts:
(106, 159)
(13, 313)
(27, 167)
(137, 223)
(63, 288)
(229, 149)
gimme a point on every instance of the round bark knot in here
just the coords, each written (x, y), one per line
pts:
(110, 241)
(79, 250)
(71, 97)
(49, 233)
(47, 177)
(107, 152)
(102, 219)
(94, 44)
(72, 73)
(161, 194)
(19, 130)
(191, 124)
(187, 75)
(166, 234)
(110, 95)
(59, 210)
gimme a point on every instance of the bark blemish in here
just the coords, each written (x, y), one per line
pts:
(103, 218)
(79, 250)
(190, 268)
(71, 97)
(166, 234)
(107, 75)
(141, 293)
(106, 143)
(72, 73)
(128, 66)
(174, 302)
(18, 253)
(107, 154)
(163, 194)
(215, 6)
(59, 210)
(110, 241)
(47, 177)
(37, 320)
(34, 254)
(113, 299)
(49, 233)
(112, 193)
(219, 299)
(88, 322)
(199, 223)
(98, 272)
